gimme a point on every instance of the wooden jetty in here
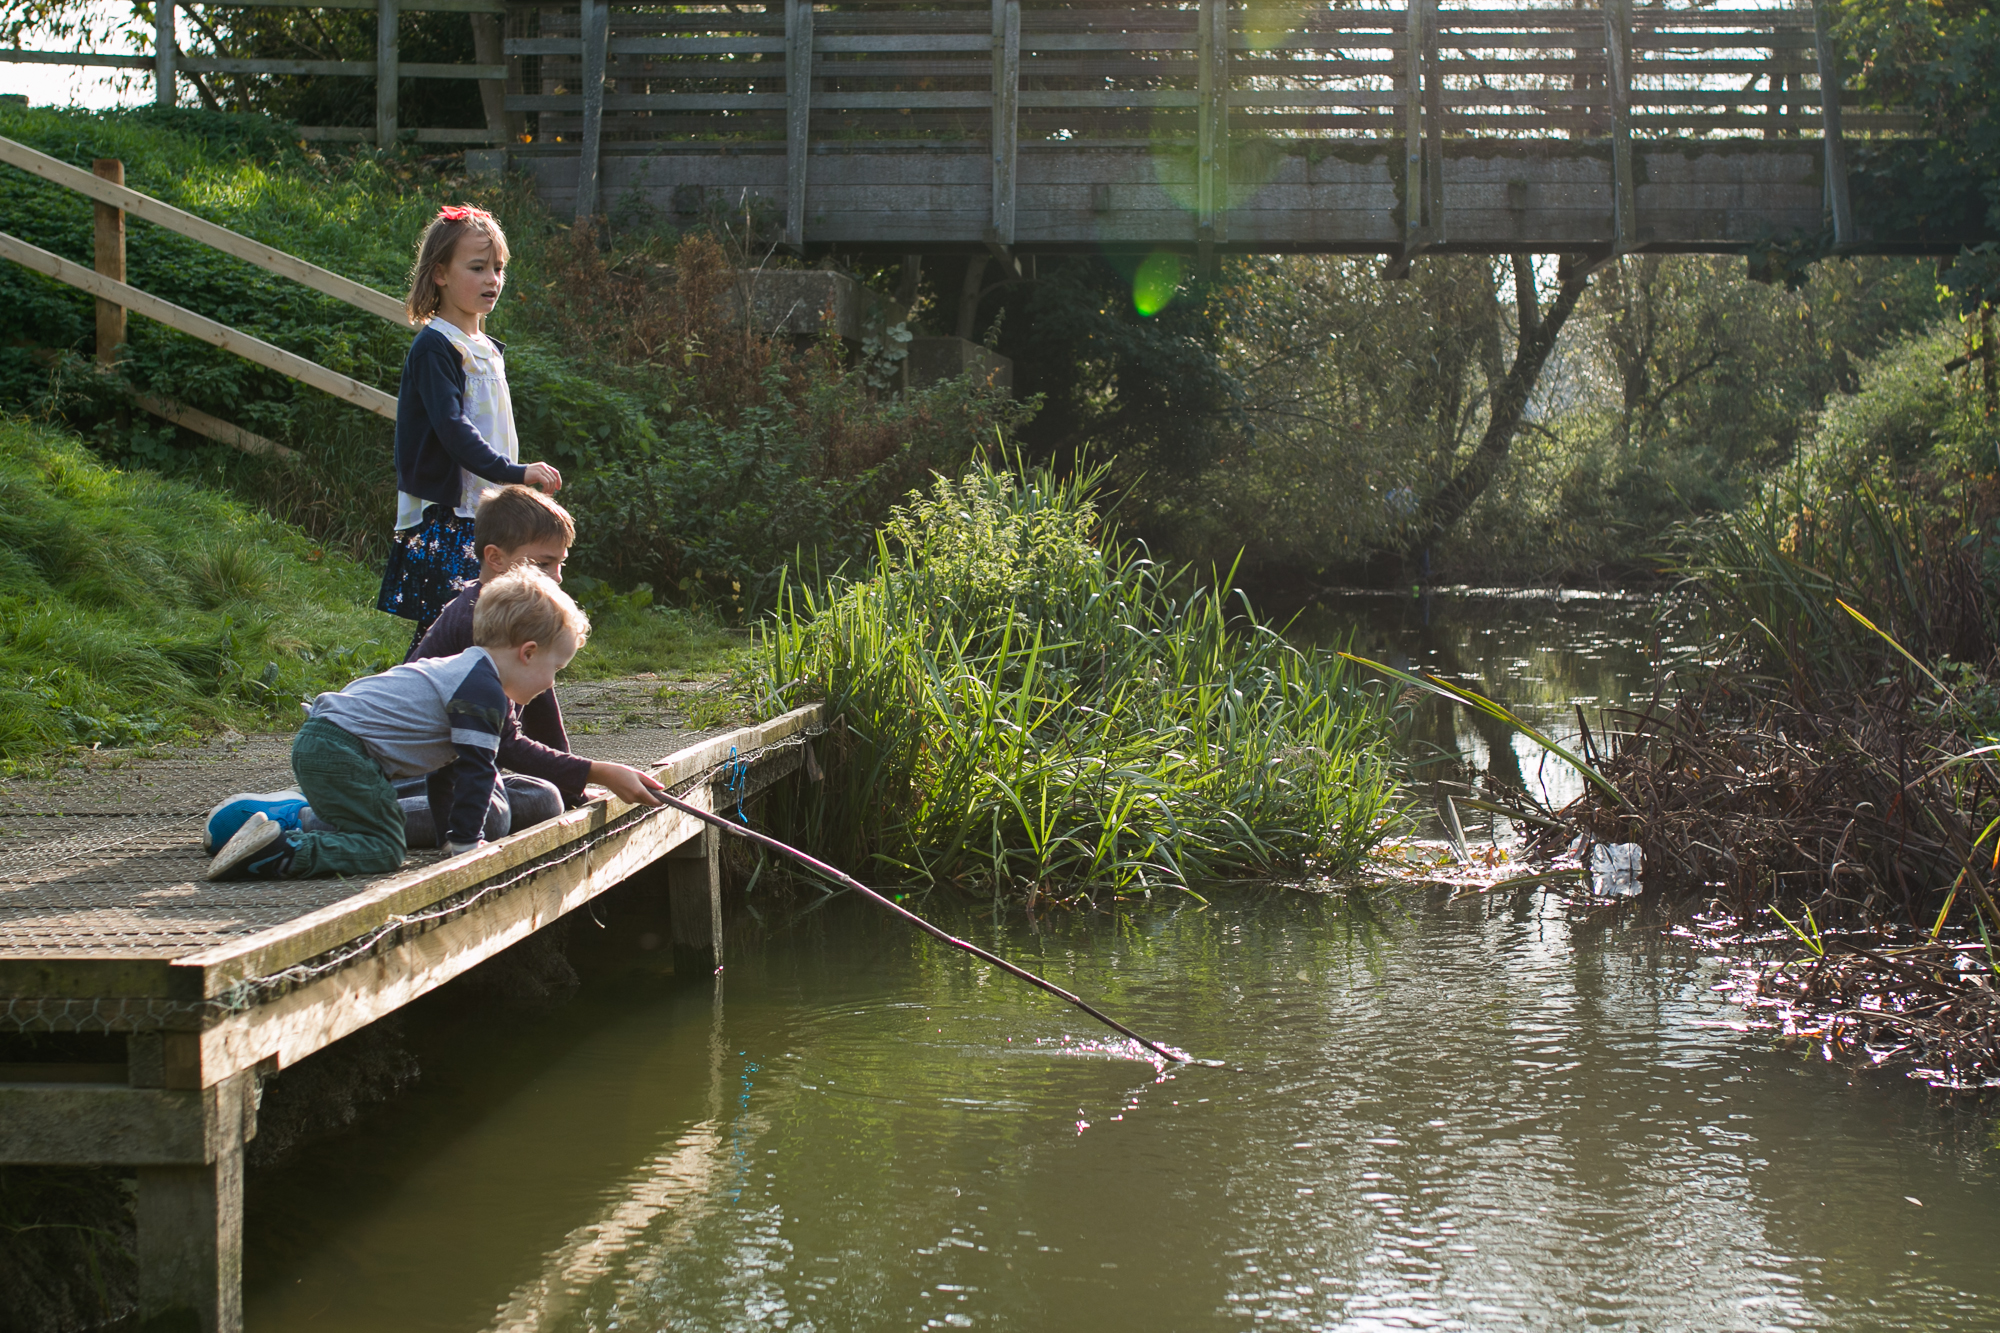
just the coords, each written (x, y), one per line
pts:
(160, 1002)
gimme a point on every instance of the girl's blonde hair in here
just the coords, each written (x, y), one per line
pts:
(439, 244)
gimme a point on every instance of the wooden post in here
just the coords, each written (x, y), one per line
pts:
(694, 901)
(1413, 130)
(798, 116)
(1618, 85)
(1839, 202)
(489, 49)
(190, 1224)
(110, 261)
(595, 16)
(1433, 129)
(1006, 117)
(1212, 132)
(388, 70)
(163, 52)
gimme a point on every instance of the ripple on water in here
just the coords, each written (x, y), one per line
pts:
(1474, 1119)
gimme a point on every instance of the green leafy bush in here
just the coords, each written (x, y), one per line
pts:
(1892, 507)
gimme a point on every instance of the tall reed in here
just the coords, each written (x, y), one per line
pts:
(1779, 568)
(1020, 701)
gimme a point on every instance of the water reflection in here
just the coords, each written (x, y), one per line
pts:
(1544, 653)
(1476, 1115)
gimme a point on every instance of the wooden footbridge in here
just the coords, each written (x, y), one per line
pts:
(141, 1009)
(1395, 127)
(1206, 125)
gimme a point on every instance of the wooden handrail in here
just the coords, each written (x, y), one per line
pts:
(199, 326)
(200, 229)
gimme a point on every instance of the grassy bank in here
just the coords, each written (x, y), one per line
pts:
(138, 610)
(1019, 702)
(135, 609)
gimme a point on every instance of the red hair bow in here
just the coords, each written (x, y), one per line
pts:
(462, 213)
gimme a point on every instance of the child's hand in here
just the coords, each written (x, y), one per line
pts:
(626, 783)
(544, 476)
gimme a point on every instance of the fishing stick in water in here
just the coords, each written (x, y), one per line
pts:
(848, 881)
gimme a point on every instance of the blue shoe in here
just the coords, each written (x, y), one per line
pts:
(261, 849)
(280, 807)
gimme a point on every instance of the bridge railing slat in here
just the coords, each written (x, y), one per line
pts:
(1116, 73)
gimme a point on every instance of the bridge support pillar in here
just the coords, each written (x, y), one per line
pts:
(1006, 124)
(798, 116)
(164, 53)
(388, 69)
(595, 20)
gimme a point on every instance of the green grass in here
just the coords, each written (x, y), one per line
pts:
(136, 610)
(630, 633)
(1016, 700)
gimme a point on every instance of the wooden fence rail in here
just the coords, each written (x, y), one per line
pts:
(231, 243)
(199, 326)
(115, 297)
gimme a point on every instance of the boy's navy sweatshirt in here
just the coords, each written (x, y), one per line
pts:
(434, 438)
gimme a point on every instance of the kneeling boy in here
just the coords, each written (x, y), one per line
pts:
(519, 526)
(412, 720)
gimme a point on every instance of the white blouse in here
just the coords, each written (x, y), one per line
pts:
(490, 409)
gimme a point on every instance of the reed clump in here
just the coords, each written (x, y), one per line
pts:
(1021, 702)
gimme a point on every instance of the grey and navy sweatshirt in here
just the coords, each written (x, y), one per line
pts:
(534, 740)
(416, 718)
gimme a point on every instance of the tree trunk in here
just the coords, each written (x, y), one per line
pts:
(1534, 341)
(968, 297)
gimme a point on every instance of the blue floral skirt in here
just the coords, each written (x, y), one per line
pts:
(428, 566)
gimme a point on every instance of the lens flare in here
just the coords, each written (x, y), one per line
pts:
(1156, 283)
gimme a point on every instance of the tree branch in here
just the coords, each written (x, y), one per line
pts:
(1444, 508)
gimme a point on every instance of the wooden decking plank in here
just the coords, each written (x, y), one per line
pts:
(316, 933)
(80, 951)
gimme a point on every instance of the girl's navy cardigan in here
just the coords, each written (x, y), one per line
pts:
(434, 438)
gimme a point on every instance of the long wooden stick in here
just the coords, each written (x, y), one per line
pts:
(199, 326)
(849, 882)
(231, 243)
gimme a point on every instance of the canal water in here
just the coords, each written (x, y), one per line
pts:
(1488, 1113)
(1547, 654)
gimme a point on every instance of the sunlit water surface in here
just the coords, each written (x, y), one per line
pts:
(1479, 1117)
(1471, 1115)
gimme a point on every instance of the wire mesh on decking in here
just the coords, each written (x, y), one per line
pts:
(105, 861)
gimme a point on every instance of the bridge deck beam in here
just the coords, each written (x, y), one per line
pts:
(1545, 196)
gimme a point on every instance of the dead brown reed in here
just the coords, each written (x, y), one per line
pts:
(1929, 1008)
(1860, 824)
(1859, 809)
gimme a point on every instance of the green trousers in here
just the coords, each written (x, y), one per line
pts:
(346, 789)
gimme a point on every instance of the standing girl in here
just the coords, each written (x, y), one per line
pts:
(454, 419)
